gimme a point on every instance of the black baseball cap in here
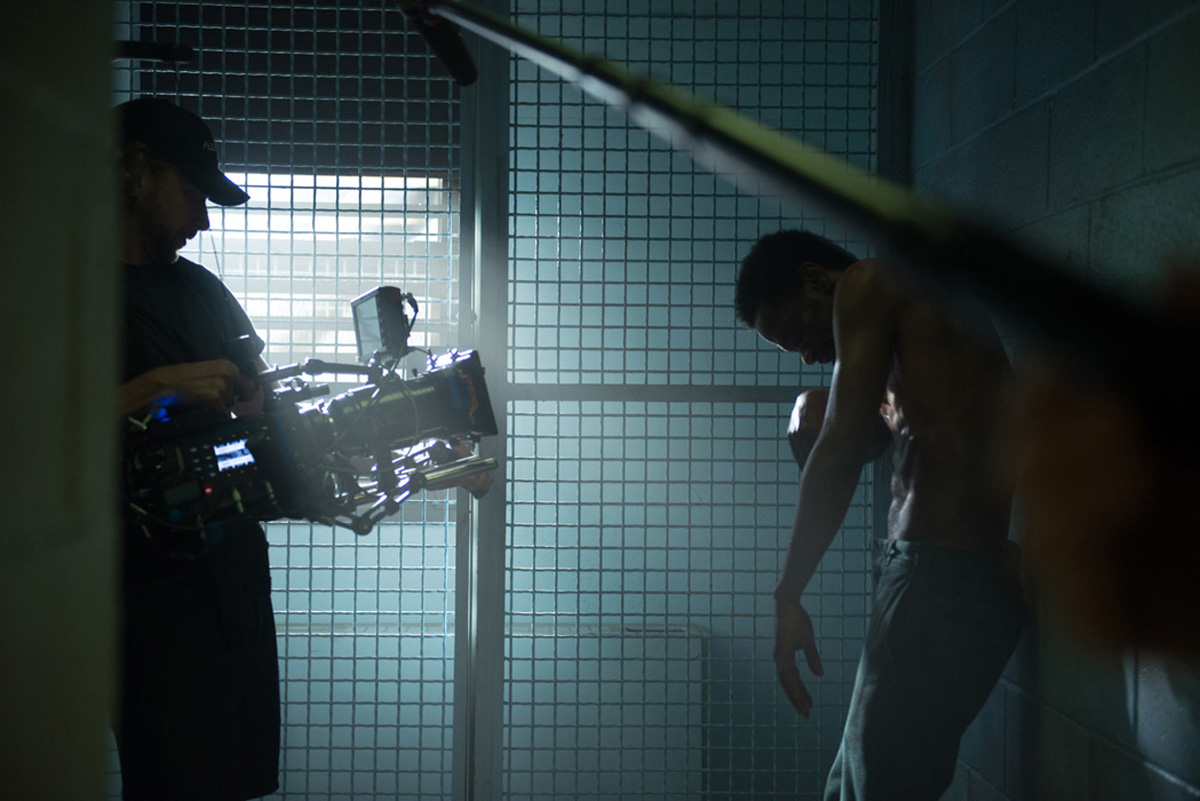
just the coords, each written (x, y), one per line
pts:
(177, 136)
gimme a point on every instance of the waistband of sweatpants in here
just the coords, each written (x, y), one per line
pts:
(923, 555)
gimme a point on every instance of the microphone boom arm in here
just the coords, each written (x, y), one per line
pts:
(1111, 337)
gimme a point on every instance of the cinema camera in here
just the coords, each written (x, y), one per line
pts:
(349, 460)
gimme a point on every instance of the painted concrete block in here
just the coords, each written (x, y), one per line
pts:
(958, 789)
(1021, 741)
(1136, 231)
(1055, 41)
(1173, 95)
(1096, 131)
(1086, 687)
(1115, 773)
(1119, 22)
(1063, 236)
(1013, 166)
(999, 178)
(979, 744)
(932, 112)
(1168, 716)
(968, 15)
(979, 789)
(934, 31)
(1063, 759)
(985, 76)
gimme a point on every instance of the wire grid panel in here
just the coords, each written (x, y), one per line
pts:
(365, 624)
(304, 246)
(623, 250)
(333, 120)
(645, 540)
(620, 715)
(366, 632)
(632, 520)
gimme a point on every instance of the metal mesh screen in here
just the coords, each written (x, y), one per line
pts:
(611, 225)
(649, 488)
(332, 119)
(649, 498)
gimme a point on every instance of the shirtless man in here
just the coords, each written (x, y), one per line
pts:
(945, 618)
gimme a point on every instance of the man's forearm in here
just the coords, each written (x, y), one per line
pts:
(826, 490)
(209, 383)
(139, 394)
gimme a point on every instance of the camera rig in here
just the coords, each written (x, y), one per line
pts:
(348, 460)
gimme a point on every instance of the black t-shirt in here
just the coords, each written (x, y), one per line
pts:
(177, 313)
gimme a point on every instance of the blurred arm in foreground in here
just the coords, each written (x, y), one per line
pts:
(1113, 524)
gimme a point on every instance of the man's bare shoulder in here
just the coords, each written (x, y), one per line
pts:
(868, 288)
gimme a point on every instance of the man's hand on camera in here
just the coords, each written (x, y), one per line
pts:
(212, 383)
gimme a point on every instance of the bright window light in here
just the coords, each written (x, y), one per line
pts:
(305, 245)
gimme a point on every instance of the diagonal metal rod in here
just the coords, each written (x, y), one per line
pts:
(1105, 335)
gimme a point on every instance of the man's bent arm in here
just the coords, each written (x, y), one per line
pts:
(864, 322)
(826, 489)
(808, 415)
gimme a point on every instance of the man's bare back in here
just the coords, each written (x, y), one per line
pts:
(950, 398)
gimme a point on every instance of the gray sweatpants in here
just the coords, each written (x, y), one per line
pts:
(942, 629)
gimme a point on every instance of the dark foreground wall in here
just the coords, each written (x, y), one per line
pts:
(1074, 124)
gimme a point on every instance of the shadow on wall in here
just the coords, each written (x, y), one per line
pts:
(1166, 719)
(1119, 729)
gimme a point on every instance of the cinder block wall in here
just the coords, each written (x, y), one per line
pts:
(1075, 124)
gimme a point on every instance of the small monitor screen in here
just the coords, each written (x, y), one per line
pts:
(366, 325)
(233, 454)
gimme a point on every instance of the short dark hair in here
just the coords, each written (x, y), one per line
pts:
(769, 269)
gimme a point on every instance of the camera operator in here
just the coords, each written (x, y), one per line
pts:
(199, 714)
